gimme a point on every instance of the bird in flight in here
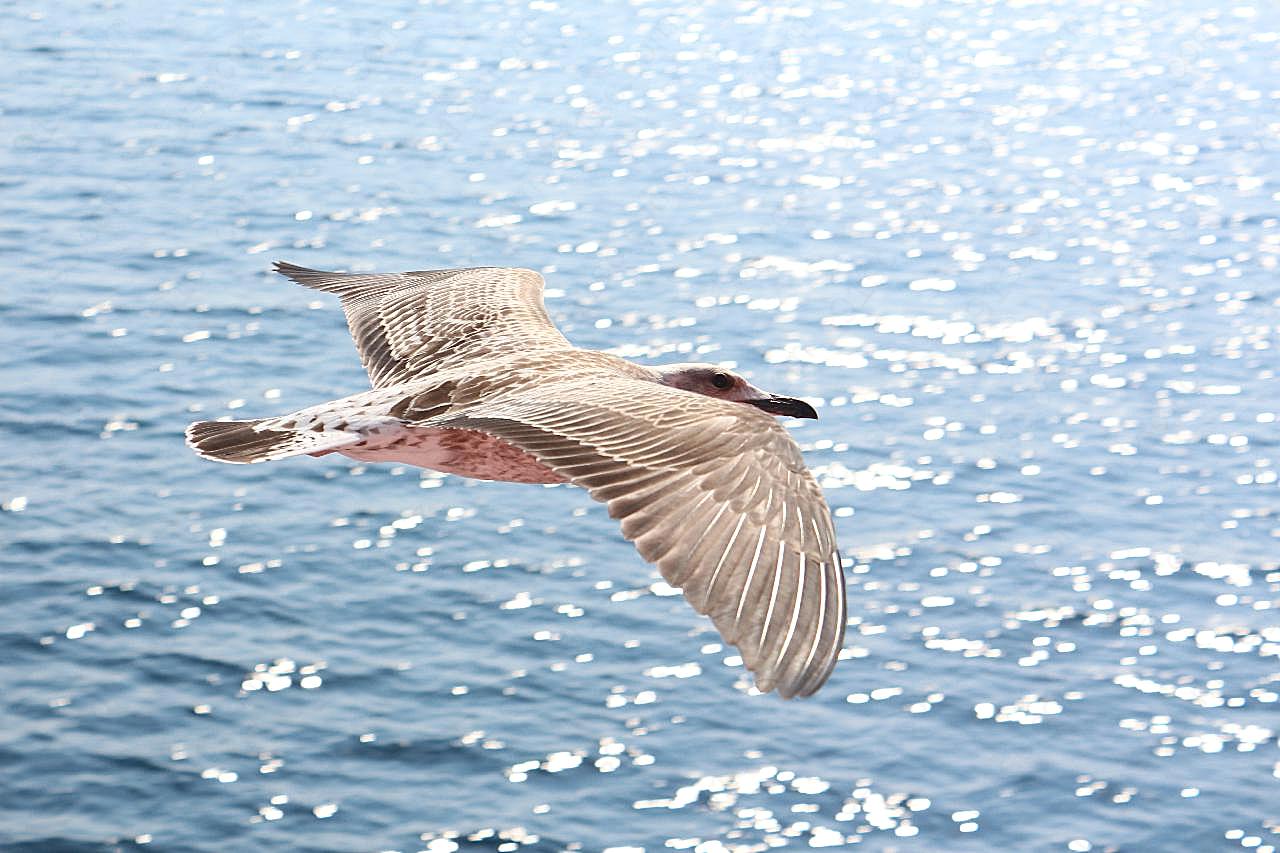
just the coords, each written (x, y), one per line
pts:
(471, 377)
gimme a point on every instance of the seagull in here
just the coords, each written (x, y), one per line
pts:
(471, 377)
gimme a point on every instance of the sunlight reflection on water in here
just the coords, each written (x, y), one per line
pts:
(1022, 258)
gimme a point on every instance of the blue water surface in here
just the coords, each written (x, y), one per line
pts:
(1022, 256)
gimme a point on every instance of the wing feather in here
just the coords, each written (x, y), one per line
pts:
(409, 325)
(715, 493)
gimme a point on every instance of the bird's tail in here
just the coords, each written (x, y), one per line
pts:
(244, 442)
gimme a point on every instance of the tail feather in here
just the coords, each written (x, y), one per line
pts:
(243, 442)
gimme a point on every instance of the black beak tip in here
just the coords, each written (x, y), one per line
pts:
(788, 406)
(804, 410)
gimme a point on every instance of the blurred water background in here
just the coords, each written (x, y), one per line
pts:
(1022, 255)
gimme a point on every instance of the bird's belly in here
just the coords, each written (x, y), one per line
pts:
(464, 452)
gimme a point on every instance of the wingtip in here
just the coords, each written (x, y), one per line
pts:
(789, 690)
(295, 272)
(789, 684)
(330, 282)
(785, 689)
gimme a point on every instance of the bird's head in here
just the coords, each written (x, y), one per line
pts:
(726, 385)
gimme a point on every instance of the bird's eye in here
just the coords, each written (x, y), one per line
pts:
(722, 381)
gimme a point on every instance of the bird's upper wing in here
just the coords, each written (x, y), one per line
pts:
(715, 493)
(410, 324)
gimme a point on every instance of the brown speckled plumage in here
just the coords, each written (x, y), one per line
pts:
(471, 377)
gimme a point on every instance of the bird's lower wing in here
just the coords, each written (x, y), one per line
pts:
(716, 495)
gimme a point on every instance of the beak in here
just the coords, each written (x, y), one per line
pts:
(785, 406)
